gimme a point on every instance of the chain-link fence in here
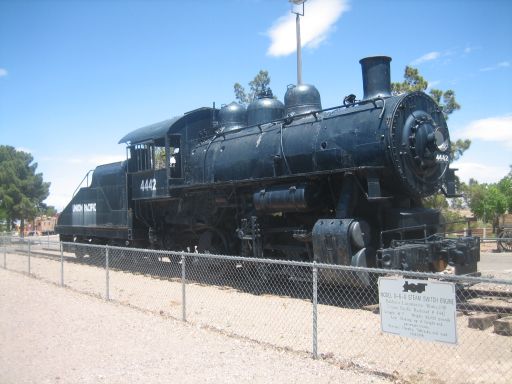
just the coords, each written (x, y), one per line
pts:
(329, 311)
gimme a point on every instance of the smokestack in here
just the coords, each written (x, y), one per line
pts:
(376, 76)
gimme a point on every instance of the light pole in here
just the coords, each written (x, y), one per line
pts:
(296, 9)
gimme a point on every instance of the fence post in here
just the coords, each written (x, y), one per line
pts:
(107, 293)
(315, 313)
(61, 265)
(29, 256)
(183, 291)
(5, 254)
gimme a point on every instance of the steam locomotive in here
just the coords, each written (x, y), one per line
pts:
(341, 185)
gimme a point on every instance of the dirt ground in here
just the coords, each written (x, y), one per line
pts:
(85, 332)
(54, 335)
(488, 247)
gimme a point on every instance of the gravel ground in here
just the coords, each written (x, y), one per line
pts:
(348, 338)
(53, 335)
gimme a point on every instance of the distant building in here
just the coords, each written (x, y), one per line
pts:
(44, 225)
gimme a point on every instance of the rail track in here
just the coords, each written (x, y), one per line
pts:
(474, 299)
(471, 298)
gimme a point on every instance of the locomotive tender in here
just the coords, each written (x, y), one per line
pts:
(341, 185)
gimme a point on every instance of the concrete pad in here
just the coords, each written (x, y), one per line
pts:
(503, 326)
(481, 321)
(374, 308)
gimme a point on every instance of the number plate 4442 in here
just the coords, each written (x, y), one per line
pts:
(148, 185)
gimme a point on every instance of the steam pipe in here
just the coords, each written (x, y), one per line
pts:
(345, 207)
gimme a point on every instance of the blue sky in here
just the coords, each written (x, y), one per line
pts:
(76, 76)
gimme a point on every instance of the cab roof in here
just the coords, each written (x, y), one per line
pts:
(160, 130)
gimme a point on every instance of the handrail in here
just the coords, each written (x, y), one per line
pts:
(86, 177)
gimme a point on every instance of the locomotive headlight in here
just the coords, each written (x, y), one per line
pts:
(428, 143)
(440, 140)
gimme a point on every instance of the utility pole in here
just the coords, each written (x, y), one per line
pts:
(296, 9)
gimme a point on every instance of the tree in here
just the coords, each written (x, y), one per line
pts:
(459, 147)
(3, 220)
(413, 81)
(22, 190)
(258, 85)
(505, 187)
(436, 201)
(46, 210)
(489, 201)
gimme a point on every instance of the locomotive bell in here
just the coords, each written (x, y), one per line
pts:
(376, 76)
(302, 98)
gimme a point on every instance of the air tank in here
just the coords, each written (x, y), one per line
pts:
(264, 109)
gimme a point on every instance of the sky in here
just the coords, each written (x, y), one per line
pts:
(76, 76)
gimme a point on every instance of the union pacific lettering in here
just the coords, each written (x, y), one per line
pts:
(87, 207)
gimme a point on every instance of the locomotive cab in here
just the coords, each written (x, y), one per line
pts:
(148, 167)
(155, 153)
(154, 166)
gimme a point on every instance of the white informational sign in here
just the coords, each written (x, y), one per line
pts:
(419, 309)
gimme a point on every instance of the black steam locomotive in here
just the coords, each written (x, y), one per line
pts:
(341, 185)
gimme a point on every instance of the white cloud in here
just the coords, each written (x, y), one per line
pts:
(502, 64)
(426, 57)
(432, 84)
(497, 129)
(3, 72)
(316, 25)
(23, 149)
(478, 171)
(470, 48)
(59, 200)
(447, 55)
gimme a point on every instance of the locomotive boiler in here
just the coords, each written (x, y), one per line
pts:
(342, 185)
